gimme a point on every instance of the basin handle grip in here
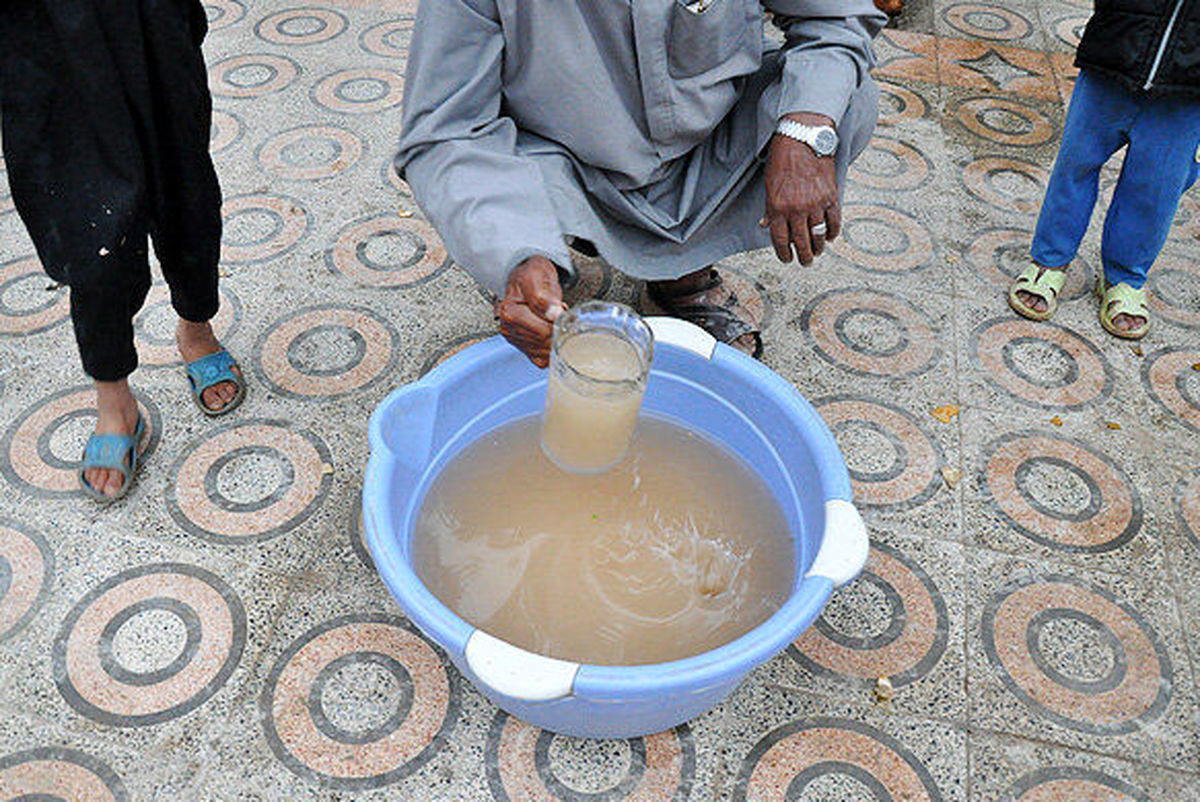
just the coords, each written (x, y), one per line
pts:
(517, 674)
(680, 333)
(844, 545)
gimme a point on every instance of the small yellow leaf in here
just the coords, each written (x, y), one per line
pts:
(1113, 425)
(945, 413)
(1056, 421)
(1196, 366)
(952, 476)
(1137, 350)
(883, 689)
(326, 469)
(404, 213)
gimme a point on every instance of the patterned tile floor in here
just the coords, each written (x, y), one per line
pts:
(221, 634)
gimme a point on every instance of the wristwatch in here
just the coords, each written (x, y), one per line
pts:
(821, 138)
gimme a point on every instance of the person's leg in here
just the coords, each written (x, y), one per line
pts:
(1160, 166)
(1096, 127)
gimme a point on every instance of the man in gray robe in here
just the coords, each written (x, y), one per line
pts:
(668, 134)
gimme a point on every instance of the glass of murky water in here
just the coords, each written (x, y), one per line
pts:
(599, 363)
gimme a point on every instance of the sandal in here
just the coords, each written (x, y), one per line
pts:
(115, 452)
(1121, 299)
(1041, 282)
(726, 320)
(209, 371)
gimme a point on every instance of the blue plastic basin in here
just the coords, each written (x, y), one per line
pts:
(709, 387)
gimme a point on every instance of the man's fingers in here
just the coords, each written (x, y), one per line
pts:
(833, 219)
(800, 236)
(779, 238)
(541, 292)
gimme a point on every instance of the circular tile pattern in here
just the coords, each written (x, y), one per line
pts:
(880, 239)
(891, 164)
(1000, 254)
(360, 91)
(388, 39)
(453, 347)
(1174, 286)
(43, 448)
(223, 13)
(855, 638)
(1061, 493)
(301, 26)
(252, 75)
(1076, 655)
(154, 326)
(388, 251)
(326, 352)
(1187, 505)
(249, 481)
(227, 129)
(260, 227)
(1174, 384)
(53, 773)
(141, 677)
(893, 461)
(986, 21)
(26, 307)
(1069, 30)
(359, 702)
(1007, 184)
(26, 572)
(1006, 121)
(311, 152)
(1057, 783)
(871, 333)
(527, 764)
(1041, 364)
(794, 757)
(392, 179)
(899, 104)
(358, 537)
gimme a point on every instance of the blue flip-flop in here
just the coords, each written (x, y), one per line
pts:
(116, 452)
(209, 371)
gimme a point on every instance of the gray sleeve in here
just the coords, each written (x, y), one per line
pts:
(828, 52)
(457, 151)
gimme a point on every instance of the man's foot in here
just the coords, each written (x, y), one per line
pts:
(196, 340)
(893, 8)
(704, 299)
(118, 414)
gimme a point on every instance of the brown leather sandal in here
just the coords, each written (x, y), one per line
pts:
(714, 307)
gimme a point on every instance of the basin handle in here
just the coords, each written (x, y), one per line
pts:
(844, 545)
(680, 333)
(513, 672)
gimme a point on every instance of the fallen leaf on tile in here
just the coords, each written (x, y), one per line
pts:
(404, 213)
(945, 413)
(1137, 350)
(1113, 425)
(1056, 421)
(883, 689)
(224, 272)
(1196, 366)
(326, 469)
(952, 476)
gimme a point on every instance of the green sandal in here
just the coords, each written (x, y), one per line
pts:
(1041, 282)
(1121, 299)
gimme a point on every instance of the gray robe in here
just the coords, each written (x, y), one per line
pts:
(640, 125)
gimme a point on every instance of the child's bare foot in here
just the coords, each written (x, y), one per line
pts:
(1036, 302)
(118, 414)
(196, 340)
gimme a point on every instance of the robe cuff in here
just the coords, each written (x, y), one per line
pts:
(817, 83)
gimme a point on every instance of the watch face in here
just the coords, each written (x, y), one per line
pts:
(826, 142)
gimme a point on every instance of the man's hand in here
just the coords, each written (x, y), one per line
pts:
(531, 304)
(801, 193)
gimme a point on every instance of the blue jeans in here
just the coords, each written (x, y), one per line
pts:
(1163, 135)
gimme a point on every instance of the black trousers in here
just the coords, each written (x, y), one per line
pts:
(106, 121)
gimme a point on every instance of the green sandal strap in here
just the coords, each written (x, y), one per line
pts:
(1041, 282)
(1121, 299)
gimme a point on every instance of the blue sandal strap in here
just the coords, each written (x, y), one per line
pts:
(116, 452)
(209, 371)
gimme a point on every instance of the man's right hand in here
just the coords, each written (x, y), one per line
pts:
(531, 304)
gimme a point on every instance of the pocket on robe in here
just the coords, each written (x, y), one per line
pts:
(700, 42)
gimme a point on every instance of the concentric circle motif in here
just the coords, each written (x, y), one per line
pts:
(360, 91)
(899, 104)
(1058, 783)
(455, 346)
(1007, 184)
(388, 39)
(154, 326)
(893, 461)
(26, 306)
(1187, 505)
(223, 13)
(388, 251)
(392, 179)
(358, 536)
(326, 352)
(249, 481)
(26, 571)
(261, 227)
(43, 448)
(906, 649)
(1027, 627)
(53, 773)
(1006, 121)
(527, 764)
(1069, 30)
(871, 333)
(805, 753)
(301, 26)
(880, 239)
(985, 21)
(1000, 254)
(1174, 286)
(359, 702)
(890, 164)
(1041, 364)
(1174, 384)
(1061, 493)
(111, 678)
(311, 152)
(252, 75)
(227, 129)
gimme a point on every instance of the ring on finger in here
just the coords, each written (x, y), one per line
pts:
(820, 229)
